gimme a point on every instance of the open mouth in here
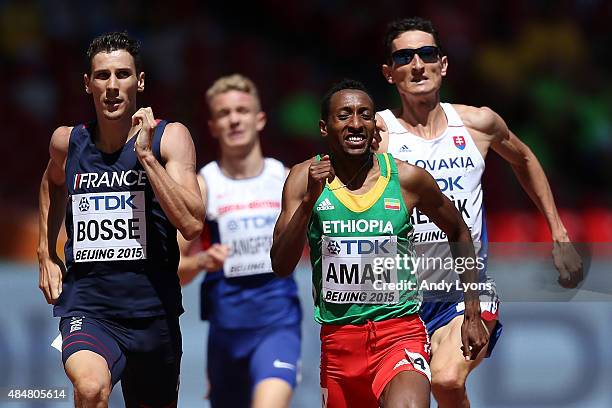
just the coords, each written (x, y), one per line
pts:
(419, 80)
(355, 140)
(112, 103)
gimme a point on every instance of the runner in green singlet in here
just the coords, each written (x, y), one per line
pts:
(354, 206)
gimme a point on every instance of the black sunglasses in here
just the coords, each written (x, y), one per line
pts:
(428, 53)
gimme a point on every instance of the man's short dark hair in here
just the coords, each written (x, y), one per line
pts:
(398, 27)
(337, 87)
(114, 41)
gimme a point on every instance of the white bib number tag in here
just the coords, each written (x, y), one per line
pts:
(354, 270)
(249, 237)
(109, 226)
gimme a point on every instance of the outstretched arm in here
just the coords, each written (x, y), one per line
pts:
(532, 178)
(420, 190)
(51, 207)
(175, 184)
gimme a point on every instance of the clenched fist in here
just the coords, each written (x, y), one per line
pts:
(144, 120)
(318, 172)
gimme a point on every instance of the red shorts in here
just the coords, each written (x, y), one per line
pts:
(358, 361)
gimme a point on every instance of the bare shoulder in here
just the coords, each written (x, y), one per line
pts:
(176, 141)
(176, 130)
(297, 180)
(61, 137)
(481, 119)
(60, 140)
(300, 170)
(410, 176)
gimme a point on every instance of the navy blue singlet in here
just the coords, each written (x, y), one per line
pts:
(122, 253)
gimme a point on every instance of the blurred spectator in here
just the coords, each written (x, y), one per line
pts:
(542, 65)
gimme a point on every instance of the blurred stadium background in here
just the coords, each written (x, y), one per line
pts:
(542, 65)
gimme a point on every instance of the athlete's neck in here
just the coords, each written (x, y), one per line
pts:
(242, 165)
(111, 135)
(353, 171)
(423, 116)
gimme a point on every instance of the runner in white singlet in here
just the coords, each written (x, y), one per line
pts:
(451, 142)
(254, 335)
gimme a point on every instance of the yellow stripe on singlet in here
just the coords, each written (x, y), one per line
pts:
(362, 202)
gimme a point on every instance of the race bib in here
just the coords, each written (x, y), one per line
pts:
(109, 226)
(249, 238)
(427, 231)
(360, 270)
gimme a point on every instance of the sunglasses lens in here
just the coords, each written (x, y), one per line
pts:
(403, 57)
(428, 54)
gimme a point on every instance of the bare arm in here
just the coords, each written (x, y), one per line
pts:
(51, 206)
(189, 266)
(174, 185)
(290, 229)
(532, 178)
(420, 190)
(193, 262)
(300, 193)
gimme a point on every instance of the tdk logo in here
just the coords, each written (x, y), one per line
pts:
(260, 221)
(84, 204)
(365, 246)
(449, 183)
(333, 248)
(107, 202)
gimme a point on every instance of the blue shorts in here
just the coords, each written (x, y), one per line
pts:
(144, 353)
(438, 314)
(239, 359)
